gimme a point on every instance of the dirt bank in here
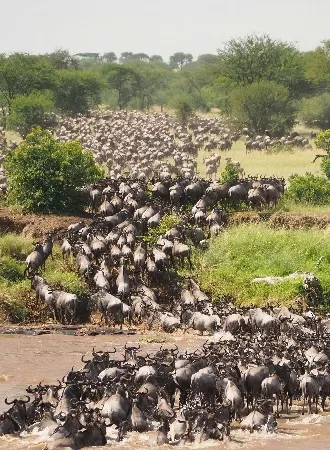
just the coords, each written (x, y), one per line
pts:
(35, 225)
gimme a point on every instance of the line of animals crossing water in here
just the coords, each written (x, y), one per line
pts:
(246, 376)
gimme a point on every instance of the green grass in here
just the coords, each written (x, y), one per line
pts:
(244, 252)
(17, 300)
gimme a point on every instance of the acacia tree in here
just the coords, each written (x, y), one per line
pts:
(43, 174)
(179, 59)
(263, 106)
(109, 57)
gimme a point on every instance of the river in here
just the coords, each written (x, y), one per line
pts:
(46, 358)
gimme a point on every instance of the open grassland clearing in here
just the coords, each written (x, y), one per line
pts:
(247, 251)
(283, 163)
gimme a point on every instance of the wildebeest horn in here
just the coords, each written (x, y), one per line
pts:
(83, 360)
(10, 403)
(114, 350)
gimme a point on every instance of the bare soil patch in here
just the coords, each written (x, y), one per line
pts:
(35, 225)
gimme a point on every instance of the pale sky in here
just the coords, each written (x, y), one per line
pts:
(160, 27)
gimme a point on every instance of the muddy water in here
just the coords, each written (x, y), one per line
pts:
(30, 359)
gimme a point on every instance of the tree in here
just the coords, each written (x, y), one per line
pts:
(156, 58)
(76, 91)
(141, 57)
(126, 57)
(109, 57)
(22, 74)
(256, 58)
(263, 106)
(179, 59)
(148, 80)
(123, 80)
(29, 111)
(315, 111)
(207, 58)
(317, 64)
(43, 174)
(61, 59)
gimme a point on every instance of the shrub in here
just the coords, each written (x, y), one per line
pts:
(263, 106)
(184, 110)
(43, 175)
(315, 111)
(167, 222)
(29, 111)
(309, 188)
(230, 173)
(323, 141)
(325, 166)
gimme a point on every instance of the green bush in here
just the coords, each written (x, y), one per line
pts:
(325, 166)
(230, 173)
(29, 111)
(184, 109)
(43, 174)
(10, 269)
(323, 140)
(167, 222)
(309, 188)
(76, 91)
(315, 111)
(263, 106)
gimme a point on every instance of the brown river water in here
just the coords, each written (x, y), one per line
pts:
(46, 358)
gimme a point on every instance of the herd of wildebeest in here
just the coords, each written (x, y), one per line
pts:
(255, 361)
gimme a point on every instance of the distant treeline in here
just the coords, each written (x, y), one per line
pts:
(249, 78)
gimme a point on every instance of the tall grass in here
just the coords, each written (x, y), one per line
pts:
(246, 251)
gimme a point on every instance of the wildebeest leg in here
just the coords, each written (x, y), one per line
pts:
(323, 401)
(316, 402)
(303, 411)
(309, 404)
